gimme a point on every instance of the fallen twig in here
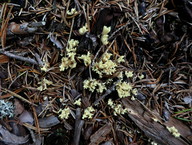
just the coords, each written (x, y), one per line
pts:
(78, 126)
(29, 60)
(106, 93)
(23, 28)
(18, 96)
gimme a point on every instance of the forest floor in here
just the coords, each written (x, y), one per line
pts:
(98, 72)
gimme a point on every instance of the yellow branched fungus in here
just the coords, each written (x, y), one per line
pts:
(93, 84)
(78, 102)
(72, 45)
(121, 59)
(88, 112)
(129, 74)
(134, 91)
(71, 12)
(118, 109)
(64, 113)
(141, 76)
(173, 131)
(83, 29)
(86, 58)
(104, 36)
(68, 62)
(106, 30)
(123, 89)
(101, 87)
(43, 84)
(45, 67)
(105, 65)
(110, 103)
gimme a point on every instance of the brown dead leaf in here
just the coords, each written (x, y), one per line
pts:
(19, 108)
(4, 59)
(100, 135)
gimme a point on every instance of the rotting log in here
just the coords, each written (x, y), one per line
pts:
(157, 131)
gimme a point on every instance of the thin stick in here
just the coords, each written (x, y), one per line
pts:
(106, 93)
(18, 96)
(78, 126)
(29, 60)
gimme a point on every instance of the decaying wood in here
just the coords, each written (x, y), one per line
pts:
(156, 130)
(48, 122)
(23, 28)
(9, 54)
(10, 138)
(78, 127)
(100, 135)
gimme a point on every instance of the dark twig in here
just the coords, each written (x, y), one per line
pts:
(78, 126)
(29, 60)
(106, 93)
(38, 58)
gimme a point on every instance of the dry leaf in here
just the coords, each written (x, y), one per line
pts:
(19, 108)
(4, 59)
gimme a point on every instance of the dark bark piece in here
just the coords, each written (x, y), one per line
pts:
(48, 122)
(155, 130)
(78, 127)
(9, 138)
(100, 135)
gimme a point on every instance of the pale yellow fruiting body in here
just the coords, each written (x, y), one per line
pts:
(78, 102)
(71, 45)
(43, 84)
(133, 98)
(104, 36)
(121, 59)
(101, 87)
(90, 84)
(106, 30)
(69, 61)
(141, 76)
(88, 113)
(110, 103)
(120, 75)
(93, 84)
(118, 109)
(153, 143)
(45, 67)
(71, 12)
(123, 89)
(64, 113)
(129, 74)
(105, 66)
(134, 91)
(173, 131)
(86, 58)
(83, 29)
(104, 39)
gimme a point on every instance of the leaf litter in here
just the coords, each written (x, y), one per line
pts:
(54, 52)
